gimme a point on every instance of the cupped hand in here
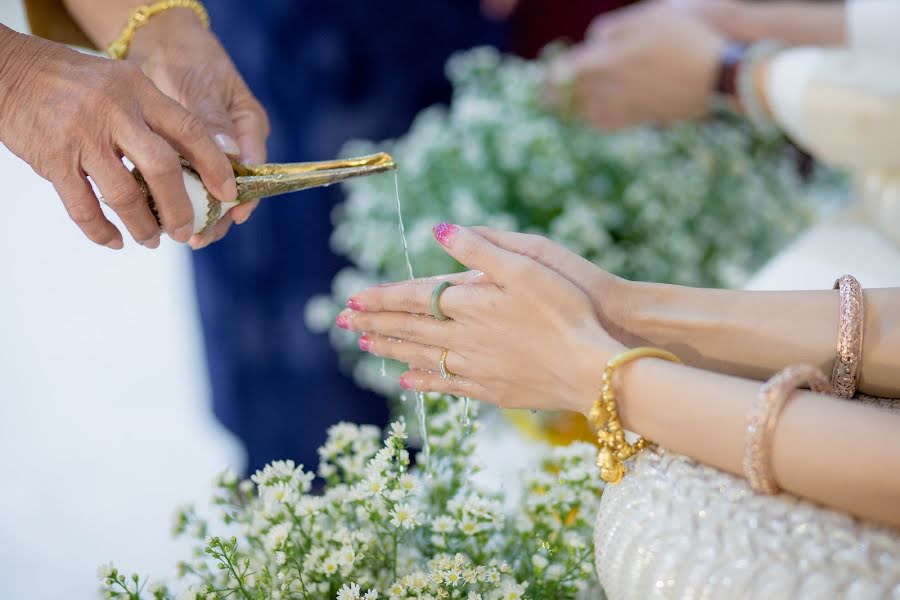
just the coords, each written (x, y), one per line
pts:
(194, 69)
(519, 334)
(650, 65)
(70, 116)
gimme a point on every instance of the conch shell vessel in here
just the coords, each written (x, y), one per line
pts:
(266, 180)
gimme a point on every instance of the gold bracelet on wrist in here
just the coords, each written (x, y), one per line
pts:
(142, 14)
(604, 416)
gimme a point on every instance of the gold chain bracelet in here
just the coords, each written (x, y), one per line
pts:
(142, 14)
(604, 416)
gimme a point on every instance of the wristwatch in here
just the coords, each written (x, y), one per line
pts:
(725, 93)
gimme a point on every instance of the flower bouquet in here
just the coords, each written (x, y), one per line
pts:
(382, 530)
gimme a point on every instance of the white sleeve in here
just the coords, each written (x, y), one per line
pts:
(843, 106)
(874, 25)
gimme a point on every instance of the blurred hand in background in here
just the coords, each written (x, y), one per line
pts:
(648, 64)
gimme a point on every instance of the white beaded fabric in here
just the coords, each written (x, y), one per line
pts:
(675, 529)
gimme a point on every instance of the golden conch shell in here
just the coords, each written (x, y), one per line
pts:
(266, 180)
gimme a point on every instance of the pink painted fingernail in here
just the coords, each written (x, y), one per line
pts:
(342, 321)
(366, 343)
(355, 304)
(444, 233)
(405, 383)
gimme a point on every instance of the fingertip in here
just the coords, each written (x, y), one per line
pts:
(183, 233)
(227, 144)
(116, 243)
(444, 233)
(406, 381)
(241, 213)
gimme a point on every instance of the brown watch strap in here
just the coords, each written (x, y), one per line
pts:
(729, 63)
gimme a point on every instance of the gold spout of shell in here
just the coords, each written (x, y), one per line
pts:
(273, 179)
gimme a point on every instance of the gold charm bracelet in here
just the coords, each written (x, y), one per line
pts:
(142, 14)
(604, 417)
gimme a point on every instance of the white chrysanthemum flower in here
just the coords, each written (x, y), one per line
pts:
(443, 524)
(329, 566)
(346, 556)
(405, 516)
(555, 571)
(468, 526)
(348, 592)
(375, 484)
(105, 571)
(398, 430)
(277, 536)
(191, 593)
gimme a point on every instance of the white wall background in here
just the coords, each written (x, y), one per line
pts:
(104, 416)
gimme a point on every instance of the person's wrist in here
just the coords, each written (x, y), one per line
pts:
(17, 61)
(175, 28)
(621, 307)
(593, 356)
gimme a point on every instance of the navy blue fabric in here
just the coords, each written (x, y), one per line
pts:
(326, 72)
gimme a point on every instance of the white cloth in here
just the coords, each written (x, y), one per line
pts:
(843, 106)
(874, 25)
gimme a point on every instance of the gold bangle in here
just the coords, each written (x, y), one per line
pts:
(142, 14)
(604, 416)
(847, 365)
(763, 416)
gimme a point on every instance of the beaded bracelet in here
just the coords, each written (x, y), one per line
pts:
(604, 417)
(763, 416)
(142, 14)
(848, 364)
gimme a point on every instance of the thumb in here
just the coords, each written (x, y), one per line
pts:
(477, 253)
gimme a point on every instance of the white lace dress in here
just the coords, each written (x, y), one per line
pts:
(674, 529)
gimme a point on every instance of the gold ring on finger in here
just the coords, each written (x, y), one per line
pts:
(442, 365)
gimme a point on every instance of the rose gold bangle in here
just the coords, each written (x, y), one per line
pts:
(847, 365)
(763, 416)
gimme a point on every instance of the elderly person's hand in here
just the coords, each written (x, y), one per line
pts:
(191, 67)
(652, 65)
(519, 334)
(70, 116)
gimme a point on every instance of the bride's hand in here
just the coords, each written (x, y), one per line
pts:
(519, 335)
